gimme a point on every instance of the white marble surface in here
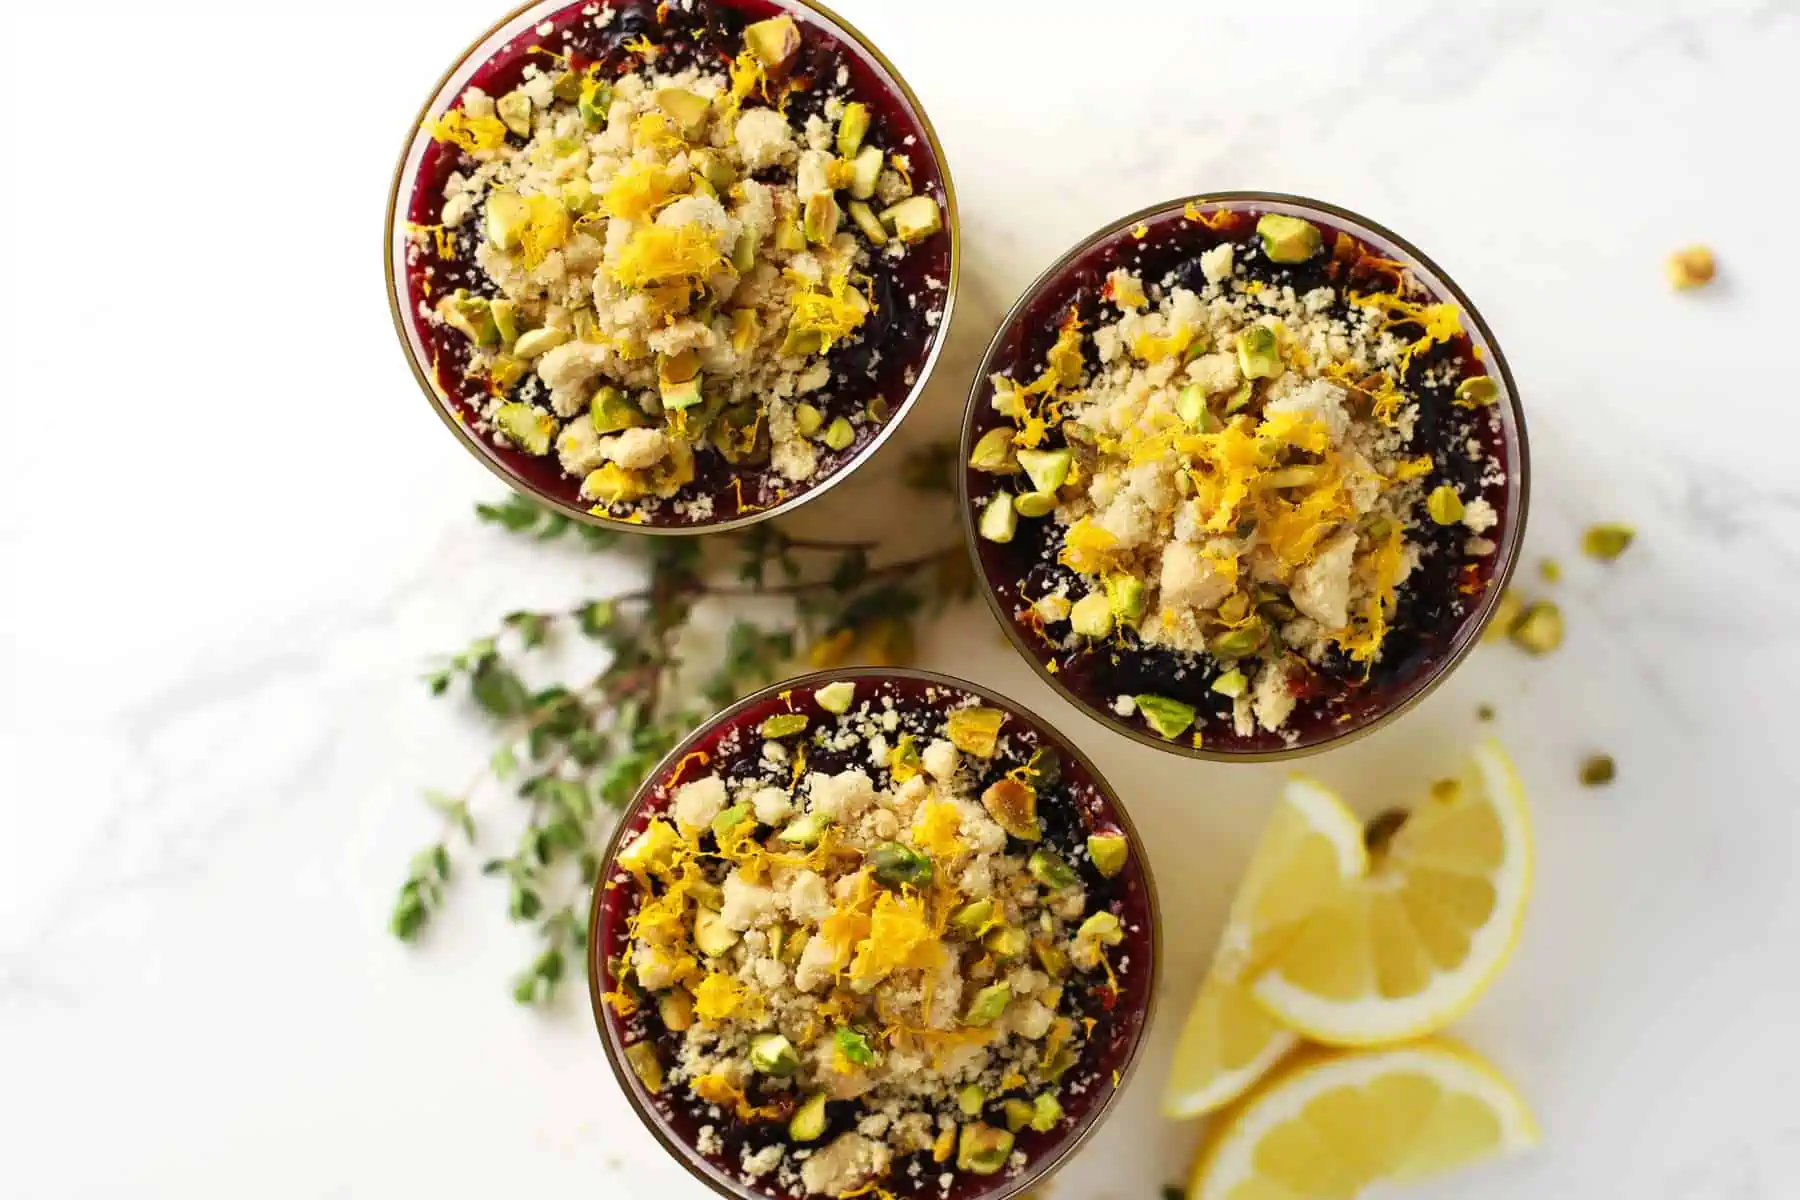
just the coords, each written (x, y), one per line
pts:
(226, 557)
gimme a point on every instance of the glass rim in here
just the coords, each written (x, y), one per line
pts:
(1512, 534)
(442, 93)
(688, 1156)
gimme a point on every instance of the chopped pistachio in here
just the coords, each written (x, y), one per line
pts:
(1007, 943)
(983, 1150)
(836, 697)
(1170, 718)
(1092, 615)
(1191, 407)
(805, 830)
(714, 168)
(1540, 630)
(1597, 770)
(914, 219)
(973, 917)
(945, 1145)
(1444, 505)
(795, 945)
(677, 1011)
(730, 818)
(865, 172)
(821, 218)
(1013, 805)
(743, 261)
(534, 342)
(1053, 607)
(839, 434)
(853, 126)
(1050, 870)
(1047, 469)
(1239, 398)
(975, 730)
(807, 419)
(1102, 928)
(1238, 643)
(1232, 683)
(595, 99)
(711, 935)
(994, 453)
(1046, 1112)
(998, 520)
(1288, 239)
(1550, 569)
(878, 409)
(610, 411)
(773, 42)
(1034, 504)
(688, 110)
(526, 426)
(1477, 391)
(790, 237)
(1607, 542)
(612, 484)
(896, 865)
(1258, 353)
(506, 320)
(641, 1057)
(868, 222)
(1691, 268)
(988, 1004)
(508, 216)
(514, 111)
(1109, 852)
(566, 86)
(783, 725)
(970, 1100)
(808, 1123)
(1051, 958)
(1015, 1113)
(682, 394)
(1125, 593)
(773, 1054)
(472, 316)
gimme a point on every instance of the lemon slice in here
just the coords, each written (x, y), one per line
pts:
(1311, 849)
(1406, 949)
(1333, 1122)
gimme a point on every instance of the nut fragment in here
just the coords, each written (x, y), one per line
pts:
(1691, 268)
(1014, 806)
(897, 865)
(1258, 353)
(1288, 239)
(982, 1149)
(1444, 505)
(1540, 630)
(975, 730)
(1607, 542)
(1168, 717)
(1109, 852)
(808, 1124)
(1050, 870)
(994, 453)
(773, 42)
(641, 1056)
(1477, 391)
(1092, 615)
(836, 697)
(774, 1055)
(1597, 770)
(988, 1004)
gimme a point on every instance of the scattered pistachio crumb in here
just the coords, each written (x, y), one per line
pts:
(1607, 541)
(1691, 268)
(1551, 570)
(1540, 630)
(1597, 770)
(1485, 712)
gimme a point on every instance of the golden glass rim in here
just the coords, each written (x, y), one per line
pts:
(1518, 473)
(689, 1157)
(440, 405)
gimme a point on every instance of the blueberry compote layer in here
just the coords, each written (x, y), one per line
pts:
(1073, 807)
(872, 374)
(1442, 601)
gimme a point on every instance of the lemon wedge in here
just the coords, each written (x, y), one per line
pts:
(1407, 947)
(1330, 1123)
(1310, 852)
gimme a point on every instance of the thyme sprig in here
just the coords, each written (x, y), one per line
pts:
(573, 753)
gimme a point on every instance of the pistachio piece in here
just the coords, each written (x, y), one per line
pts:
(1092, 615)
(1239, 398)
(1013, 805)
(1046, 1112)
(808, 1122)
(566, 86)
(1232, 683)
(805, 830)
(729, 819)
(836, 697)
(970, 1100)
(972, 918)
(1125, 593)
(821, 219)
(508, 216)
(853, 126)
(795, 946)
(1034, 504)
(1238, 643)
(994, 453)
(1050, 870)
(711, 935)
(1191, 407)
(641, 1058)
(773, 42)
(1258, 353)
(1288, 239)
(868, 222)
(914, 219)
(1607, 542)
(1007, 943)
(998, 520)
(1102, 928)
(807, 419)
(610, 411)
(526, 426)
(471, 316)
(612, 484)
(652, 850)
(679, 395)
(677, 1011)
(687, 110)
(1444, 505)
(945, 1145)
(713, 167)
(983, 1150)
(1691, 268)
(898, 865)
(839, 434)
(774, 1055)
(595, 99)
(506, 320)
(1015, 1113)
(514, 111)
(988, 1004)
(865, 172)
(1109, 852)
(789, 237)
(1051, 958)
(1047, 469)
(1170, 718)
(1477, 391)
(783, 725)
(1597, 770)
(534, 342)
(975, 730)
(1540, 630)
